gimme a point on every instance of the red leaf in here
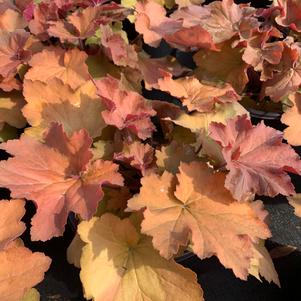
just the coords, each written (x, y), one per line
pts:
(257, 159)
(152, 23)
(290, 15)
(12, 52)
(58, 176)
(222, 19)
(125, 109)
(260, 53)
(42, 14)
(121, 53)
(191, 38)
(286, 78)
(83, 23)
(138, 155)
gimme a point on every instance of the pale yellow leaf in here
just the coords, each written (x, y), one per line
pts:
(119, 264)
(32, 295)
(262, 264)
(197, 121)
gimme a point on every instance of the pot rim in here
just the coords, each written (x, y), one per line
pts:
(264, 115)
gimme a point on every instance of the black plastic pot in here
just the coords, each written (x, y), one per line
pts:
(272, 119)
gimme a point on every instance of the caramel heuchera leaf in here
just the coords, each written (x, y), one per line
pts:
(192, 38)
(290, 14)
(58, 176)
(194, 207)
(11, 104)
(170, 156)
(196, 95)
(10, 19)
(117, 49)
(55, 101)
(41, 14)
(138, 155)
(287, 76)
(292, 118)
(115, 252)
(262, 264)
(125, 109)
(197, 121)
(230, 69)
(152, 23)
(260, 53)
(11, 227)
(12, 52)
(83, 24)
(79, 25)
(20, 269)
(152, 69)
(222, 19)
(67, 66)
(257, 159)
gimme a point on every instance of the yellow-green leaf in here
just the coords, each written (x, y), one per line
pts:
(119, 264)
(32, 295)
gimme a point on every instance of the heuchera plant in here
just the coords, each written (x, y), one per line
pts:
(146, 179)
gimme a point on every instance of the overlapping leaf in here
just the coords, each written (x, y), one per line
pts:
(287, 74)
(83, 24)
(196, 95)
(116, 48)
(58, 176)
(10, 18)
(115, 252)
(262, 264)
(221, 19)
(195, 207)
(20, 269)
(257, 159)
(55, 101)
(67, 66)
(292, 118)
(151, 21)
(260, 53)
(12, 51)
(125, 109)
(230, 69)
(290, 14)
(138, 155)
(198, 122)
(11, 104)
(39, 16)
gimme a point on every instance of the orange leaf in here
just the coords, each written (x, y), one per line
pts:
(55, 101)
(20, 269)
(125, 109)
(58, 176)
(11, 227)
(67, 66)
(292, 118)
(199, 210)
(230, 69)
(196, 95)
